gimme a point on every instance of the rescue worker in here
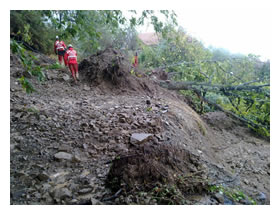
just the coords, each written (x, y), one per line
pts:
(71, 60)
(59, 49)
(135, 60)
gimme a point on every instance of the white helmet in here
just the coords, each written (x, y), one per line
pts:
(70, 46)
(56, 37)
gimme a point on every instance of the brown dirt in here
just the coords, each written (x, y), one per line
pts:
(93, 122)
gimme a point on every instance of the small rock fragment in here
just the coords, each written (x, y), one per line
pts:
(63, 156)
(139, 137)
(219, 197)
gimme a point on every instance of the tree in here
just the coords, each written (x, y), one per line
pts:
(214, 78)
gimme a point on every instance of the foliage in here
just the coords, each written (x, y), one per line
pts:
(234, 194)
(55, 66)
(90, 31)
(41, 34)
(186, 59)
(27, 60)
(168, 195)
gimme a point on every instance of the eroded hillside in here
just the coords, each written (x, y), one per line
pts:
(118, 138)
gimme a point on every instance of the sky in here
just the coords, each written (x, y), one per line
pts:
(239, 30)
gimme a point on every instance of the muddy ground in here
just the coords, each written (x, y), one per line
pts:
(73, 143)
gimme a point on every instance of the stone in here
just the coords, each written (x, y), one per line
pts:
(18, 194)
(95, 202)
(64, 148)
(140, 137)
(47, 198)
(76, 158)
(66, 78)
(26, 180)
(228, 201)
(219, 197)
(37, 195)
(148, 102)
(45, 187)
(166, 123)
(63, 156)
(122, 120)
(85, 190)
(86, 88)
(61, 193)
(43, 177)
(246, 181)
(261, 197)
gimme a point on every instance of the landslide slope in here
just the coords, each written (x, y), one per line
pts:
(72, 144)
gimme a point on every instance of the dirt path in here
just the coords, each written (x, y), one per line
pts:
(64, 138)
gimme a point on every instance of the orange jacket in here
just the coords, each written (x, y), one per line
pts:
(70, 56)
(135, 63)
(59, 46)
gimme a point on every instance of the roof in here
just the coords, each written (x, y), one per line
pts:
(149, 38)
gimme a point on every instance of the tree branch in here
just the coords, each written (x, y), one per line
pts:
(244, 120)
(207, 86)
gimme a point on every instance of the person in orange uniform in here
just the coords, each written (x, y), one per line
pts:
(135, 60)
(59, 49)
(71, 59)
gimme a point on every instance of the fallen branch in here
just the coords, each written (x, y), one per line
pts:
(191, 85)
(244, 120)
(113, 196)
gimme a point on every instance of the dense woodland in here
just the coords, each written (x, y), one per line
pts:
(213, 79)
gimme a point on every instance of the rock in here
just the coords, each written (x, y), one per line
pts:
(245, 181)
(148, 102)
(122, 120)
(61, 193)
(45, 187)
(219, 197)
(245, 201)
(26, 180)
(63, 156)
(47, 198)
(64, 148)
(227, 201)
(159, 137)
(59, 177)
(85, 173)
(140, 137)
(261, 197)
(18, 194)
(95, 202)
(43, 177)
(166, 123)
(76, 158)
(85, 190)
(86, 88)
(37, 195)
(66, 78)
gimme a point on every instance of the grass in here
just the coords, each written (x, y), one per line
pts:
(201, 128)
